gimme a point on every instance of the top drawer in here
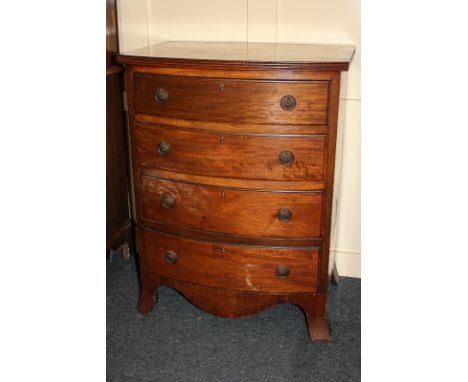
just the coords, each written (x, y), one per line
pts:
(235, 101)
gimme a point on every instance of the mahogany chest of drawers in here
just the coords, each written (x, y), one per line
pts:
(233, 149)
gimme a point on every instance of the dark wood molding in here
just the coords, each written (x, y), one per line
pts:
(118, 218)
(120, 236)
(114, 69)
(227, 65)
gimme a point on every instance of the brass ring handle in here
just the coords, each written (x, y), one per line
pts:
(164, 148)
(284, 214)
(282, 272)
(286, 158)
(288, 103)
(171, 257)
(161, 96)
(168, 201)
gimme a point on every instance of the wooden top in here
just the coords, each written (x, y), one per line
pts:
(310, 56)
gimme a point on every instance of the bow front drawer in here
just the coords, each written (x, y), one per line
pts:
(230, 155)
(262, 269)
(229, 100)
(233, 211)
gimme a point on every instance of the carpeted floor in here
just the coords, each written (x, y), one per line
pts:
(178, 342)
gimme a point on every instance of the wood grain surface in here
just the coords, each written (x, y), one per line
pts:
(225, 126)
(228, 100)
(233, 267)
(118, 219)
(242, 212)
(230, 155)
(243, 55)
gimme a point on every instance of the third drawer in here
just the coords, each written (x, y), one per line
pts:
(232, 211)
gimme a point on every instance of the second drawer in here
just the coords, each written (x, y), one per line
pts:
(231, 155)
(234, 211)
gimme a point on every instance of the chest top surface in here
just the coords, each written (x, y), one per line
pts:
(333, 57)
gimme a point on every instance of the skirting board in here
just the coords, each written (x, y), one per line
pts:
(348, 262)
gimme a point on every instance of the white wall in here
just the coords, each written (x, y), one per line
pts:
(133, 24)
(144, 22)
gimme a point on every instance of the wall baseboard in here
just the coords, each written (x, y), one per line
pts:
(348, 262)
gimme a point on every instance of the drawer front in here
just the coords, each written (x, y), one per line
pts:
(241, 212)
(235, 101)
(262, 269)
(229, 155)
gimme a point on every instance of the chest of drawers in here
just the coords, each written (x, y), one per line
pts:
(233, 149)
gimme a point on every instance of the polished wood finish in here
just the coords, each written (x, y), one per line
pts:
(235, 128)
(174, 67)
(231, 303)
(211, 55)
(228, 100)
(230, 155)
(328, 192)
(112, 39)
(221, 265)
(208, 202)
(241, 212)
(197, 234)
(118, 221)
(221, 181)
(117, 212)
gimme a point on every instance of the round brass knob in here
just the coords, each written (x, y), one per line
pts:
(286, 158)
(171, 257)
(284, 214)
(168, 201)
(161, 96)
(164, 148)
(282, 272)
(288, 103)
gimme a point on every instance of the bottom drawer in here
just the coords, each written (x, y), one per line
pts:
(261, 269)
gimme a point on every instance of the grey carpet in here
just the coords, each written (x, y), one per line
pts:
(178, 342)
